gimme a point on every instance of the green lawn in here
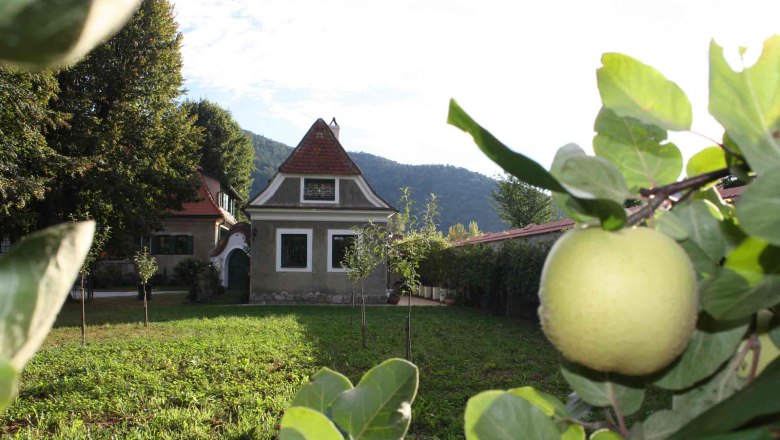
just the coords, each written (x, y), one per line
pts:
(221, 371)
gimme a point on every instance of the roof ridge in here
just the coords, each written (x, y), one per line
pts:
(320, 152)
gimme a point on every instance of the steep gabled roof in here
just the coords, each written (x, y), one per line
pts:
(319, 152)
(204, 205)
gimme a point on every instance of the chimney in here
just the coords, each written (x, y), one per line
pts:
(334, 127)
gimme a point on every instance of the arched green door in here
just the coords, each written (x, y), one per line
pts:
(238, 270)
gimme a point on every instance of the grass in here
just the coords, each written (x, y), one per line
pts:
(217, 371)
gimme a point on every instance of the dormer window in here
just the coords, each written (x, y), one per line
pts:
(319, 190)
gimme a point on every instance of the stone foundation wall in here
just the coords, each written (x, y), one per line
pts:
(311, 298)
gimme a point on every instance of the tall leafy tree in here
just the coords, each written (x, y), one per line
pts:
(226, 151)
(27, 164)
(139, 147)
(519, 204)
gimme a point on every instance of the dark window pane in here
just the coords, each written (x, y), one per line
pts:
(339, 249)
(166, 243)
(183, 245)
(294, 251)
(319, 189)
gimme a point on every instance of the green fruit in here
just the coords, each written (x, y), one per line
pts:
(622, 301)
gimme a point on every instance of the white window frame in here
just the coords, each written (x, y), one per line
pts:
(285, 231)
(331, 233)
(336, 189)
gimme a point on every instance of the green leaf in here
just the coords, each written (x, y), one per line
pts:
(704, 265)
(9, 384)
(41, 34)
(711, 391)
(633, 89)
(326, 385)
(730, 296)
(588, 177)
(658, 425)
(300, 423)
(605, 434)
(749, 281)
(514, 163)
(774, 329)
(547, 403)
(574, 432)
(610, 213)
(668, 223)
(639, 151)
(747, 104)
(755, 400)
(379, 406)
(494, 415)
(703, 227)
(35, 278)
(713, 343)
(706, 160)
(765, 433)
(604, 389)
(758, 208)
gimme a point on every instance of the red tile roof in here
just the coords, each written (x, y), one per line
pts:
(204, 205)
(528, 231)
(319, 152)
(561, 225)
(731, 193)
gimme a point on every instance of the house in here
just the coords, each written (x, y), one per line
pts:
(195, 230)
(301, 224)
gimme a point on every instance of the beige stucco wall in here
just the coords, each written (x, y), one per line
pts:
(204, 232)
(317, 286)
(289, 195)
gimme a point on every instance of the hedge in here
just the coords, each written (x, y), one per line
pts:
(503, 280)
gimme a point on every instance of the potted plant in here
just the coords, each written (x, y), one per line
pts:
(451, 297)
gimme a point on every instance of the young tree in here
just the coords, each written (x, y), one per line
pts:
(136, 149)
(98, 242)
(359, 261)
(146, 266)
(404, 255)
(457, 232)
(519, 204)
(226, 151)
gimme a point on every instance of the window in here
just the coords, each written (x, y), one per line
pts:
(319, 190)
(5, 245)
(339, 240)
(172, 245)
(293, 250)
(227, 203)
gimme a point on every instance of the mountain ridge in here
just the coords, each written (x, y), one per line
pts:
(463, 195)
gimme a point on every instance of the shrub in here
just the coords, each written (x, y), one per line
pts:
(200, 277)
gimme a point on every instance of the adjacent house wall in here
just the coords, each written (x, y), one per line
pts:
(204, 234)
(317, 286)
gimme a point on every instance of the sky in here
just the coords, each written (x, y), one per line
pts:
(386, 70)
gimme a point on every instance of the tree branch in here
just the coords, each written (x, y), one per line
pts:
(658, 195)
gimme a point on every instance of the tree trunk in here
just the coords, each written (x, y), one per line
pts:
(83, 315)
(146, 305)
(363, 326)
(352, 310)
(409, 330)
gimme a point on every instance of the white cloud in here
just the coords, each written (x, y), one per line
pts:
(386, 70)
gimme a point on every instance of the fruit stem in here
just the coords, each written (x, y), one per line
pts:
(756, 346)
